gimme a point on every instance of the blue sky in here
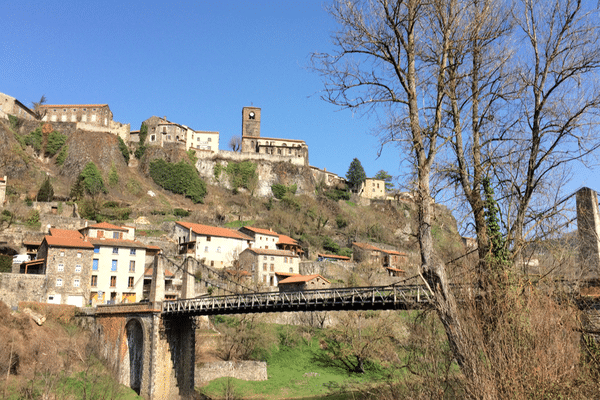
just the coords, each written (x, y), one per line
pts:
(196, 62)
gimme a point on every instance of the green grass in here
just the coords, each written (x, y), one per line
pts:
(238, 224)
(293, 372)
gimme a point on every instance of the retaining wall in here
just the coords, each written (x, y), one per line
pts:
(245, 370)
(15, 288)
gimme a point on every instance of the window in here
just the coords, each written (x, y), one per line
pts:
(208, 238)
(96, 249)
(212, 263)
(132, 252)
(76, 282)
(113, 266)
(264, 266)
(58, 281)
(130, 282)
(264, 257)
(78, 255)
(115, 235)
(210, 139)
(94, 280)
(152, 138)
(264, 279)
(272, 258)
(291, 270)
(95, 264)
(131, 266)
(62, 253)
(115, 250)
(113, 281)
(285, 260)
(60, 268)
(78, 268)
(272, 267)
(206, 249)
(219, 249)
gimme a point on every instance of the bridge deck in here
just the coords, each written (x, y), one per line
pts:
(365, 298)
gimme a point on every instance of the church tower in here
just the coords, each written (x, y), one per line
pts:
(251, 121)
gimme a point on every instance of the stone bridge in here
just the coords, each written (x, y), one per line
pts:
(150, 347)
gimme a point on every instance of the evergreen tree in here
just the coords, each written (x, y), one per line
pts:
(46, 192)
(92, 180)
(387, 178)
(355, 175)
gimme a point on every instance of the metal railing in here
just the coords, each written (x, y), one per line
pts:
(364, 298)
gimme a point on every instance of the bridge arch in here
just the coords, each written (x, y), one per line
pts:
(132, 371)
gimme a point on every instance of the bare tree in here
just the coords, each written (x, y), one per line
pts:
(235, 143)
(394, 54)
(38, 111)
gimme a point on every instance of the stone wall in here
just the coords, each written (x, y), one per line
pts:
(244, 370)
(20, 287)
(270, 170)
(114, 127)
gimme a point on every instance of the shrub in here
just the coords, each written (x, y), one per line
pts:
(337, 194)
(124, 149)
(217, 171)
(330, 246)
(139, 152)
(35, 139)
(133, 186)
(46, 192)
(33, 219)
(341, 221)
(180, 212)
(89, 181)
(15, 123)
(181, 178)
(278, 190)
(191, 153)
(242, 174)
(5, 263)
(113, 176)
(62, 156)
(56, 140)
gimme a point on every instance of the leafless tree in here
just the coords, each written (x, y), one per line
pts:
(395, 54)
(38, 111)
(235, 143)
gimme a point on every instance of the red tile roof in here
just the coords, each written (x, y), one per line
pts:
(261, 231)
(394, 252)
(117, 243)
(366, 246)
(105, 225)
(71, 105)
(32, 262)
(301, 278)
(395, 269)
(283, 239)
(66, 241)
(333, 256)
(150, 270)
(207, 230)
(269, 252)
(65, 233)
(32, 242)
(1, 179)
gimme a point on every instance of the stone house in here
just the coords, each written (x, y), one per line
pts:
(94, 114)
(364, 252)
(67, 268)
(118, 264)
(269, 239)
(162, 131)
(11, 106)
(372, 188)
(332, 257)
(295, 283)
(252, 142)
(3, 189)
(329, 179)
(265, 264)
(262, 238)
(218, 247)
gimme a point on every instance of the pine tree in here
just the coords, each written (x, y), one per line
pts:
(46, 192)
(355, 175)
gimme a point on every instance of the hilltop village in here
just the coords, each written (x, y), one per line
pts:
(80, 262)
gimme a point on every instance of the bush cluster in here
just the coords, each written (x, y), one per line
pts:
(279, 190)
(336, 194)
(242, 175)
(56, 140)
(181, 178)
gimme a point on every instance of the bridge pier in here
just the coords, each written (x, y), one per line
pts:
(588, 227)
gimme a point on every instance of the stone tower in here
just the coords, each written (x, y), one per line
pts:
(251, 121)
(588, 224)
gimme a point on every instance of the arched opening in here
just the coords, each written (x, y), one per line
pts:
(135, 347)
